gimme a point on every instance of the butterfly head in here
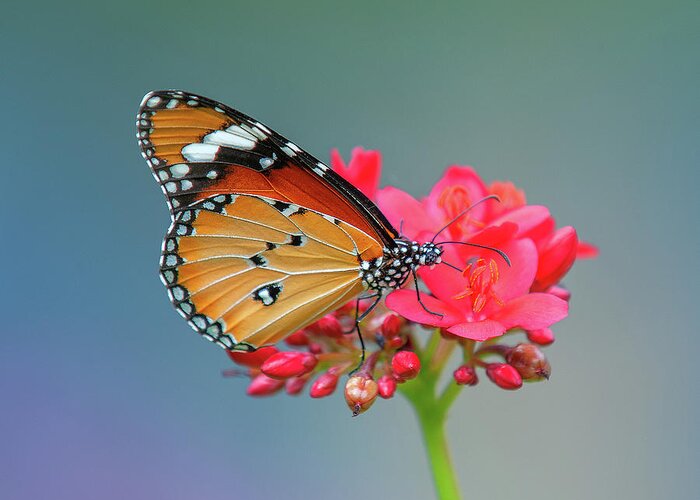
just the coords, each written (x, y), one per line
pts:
(429, 254)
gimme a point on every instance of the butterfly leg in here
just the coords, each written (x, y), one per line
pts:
(415, 282)
(357, 311)
(359, 317)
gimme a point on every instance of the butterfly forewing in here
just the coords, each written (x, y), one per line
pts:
(197, 147)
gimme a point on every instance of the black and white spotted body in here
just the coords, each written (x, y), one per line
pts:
(398, 263)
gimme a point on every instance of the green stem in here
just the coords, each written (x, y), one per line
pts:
(433, 427)
(431, 410)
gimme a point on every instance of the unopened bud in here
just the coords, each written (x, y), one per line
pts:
(262, 385)
(328, 326)
(298, 338)
(360, 393)
(387, 386)
(541, 337)
(315, 348)
(405, 365)
(465, 375)
(529, 361)
(295, 385)
(288, 364)
(391, 326)
(324, 385)
(252, 359)
(504, 376)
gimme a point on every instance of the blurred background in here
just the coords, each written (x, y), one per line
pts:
(591, 107)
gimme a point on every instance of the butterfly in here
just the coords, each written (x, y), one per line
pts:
(264, 238)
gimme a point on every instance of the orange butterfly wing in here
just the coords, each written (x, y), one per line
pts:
(197, 147)
(246, 271)
(265, 239)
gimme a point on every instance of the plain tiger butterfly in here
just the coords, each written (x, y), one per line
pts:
(264, 238)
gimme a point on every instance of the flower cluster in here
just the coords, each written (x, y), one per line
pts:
(505, 261)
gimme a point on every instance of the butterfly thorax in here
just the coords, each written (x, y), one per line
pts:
(398, 262)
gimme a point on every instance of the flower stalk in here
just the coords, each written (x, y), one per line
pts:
(431, 408)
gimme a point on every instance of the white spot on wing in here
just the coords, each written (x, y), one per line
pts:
(180, 170)
(241, 132)
(265, 296)
(200, 152)
(223, 138)
(262, 127)
(171, 103)
(153, 101)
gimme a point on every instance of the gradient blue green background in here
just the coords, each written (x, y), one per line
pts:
(591, 107)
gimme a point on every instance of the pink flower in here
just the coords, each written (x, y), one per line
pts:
(482, 295)
(488, 298)
(363, 171)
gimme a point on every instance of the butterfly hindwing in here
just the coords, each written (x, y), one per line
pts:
(246, 271)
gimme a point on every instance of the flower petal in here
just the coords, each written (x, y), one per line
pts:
(515, 280)
(398, 206)
(363, 171)
(479, 330)
(465, 177)
(405, 303)
(531, 220)
(555, 258)
(586, 251)
(532, 312)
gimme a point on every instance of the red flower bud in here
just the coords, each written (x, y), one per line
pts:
(315, 348)
(360, 393)
(405, 365)
(328, 326)
(529, 361)
(396, 342)
(324, 385)
(298, 338)
(465, 375)
(295, 385)
(252, 359)
(387, 386)
(262, 385)
(541, 337)
(288, 364)
(504, 376)
(391, 326)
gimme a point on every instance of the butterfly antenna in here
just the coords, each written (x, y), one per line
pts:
(486, 247)
(464, 212)
(453, 266)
